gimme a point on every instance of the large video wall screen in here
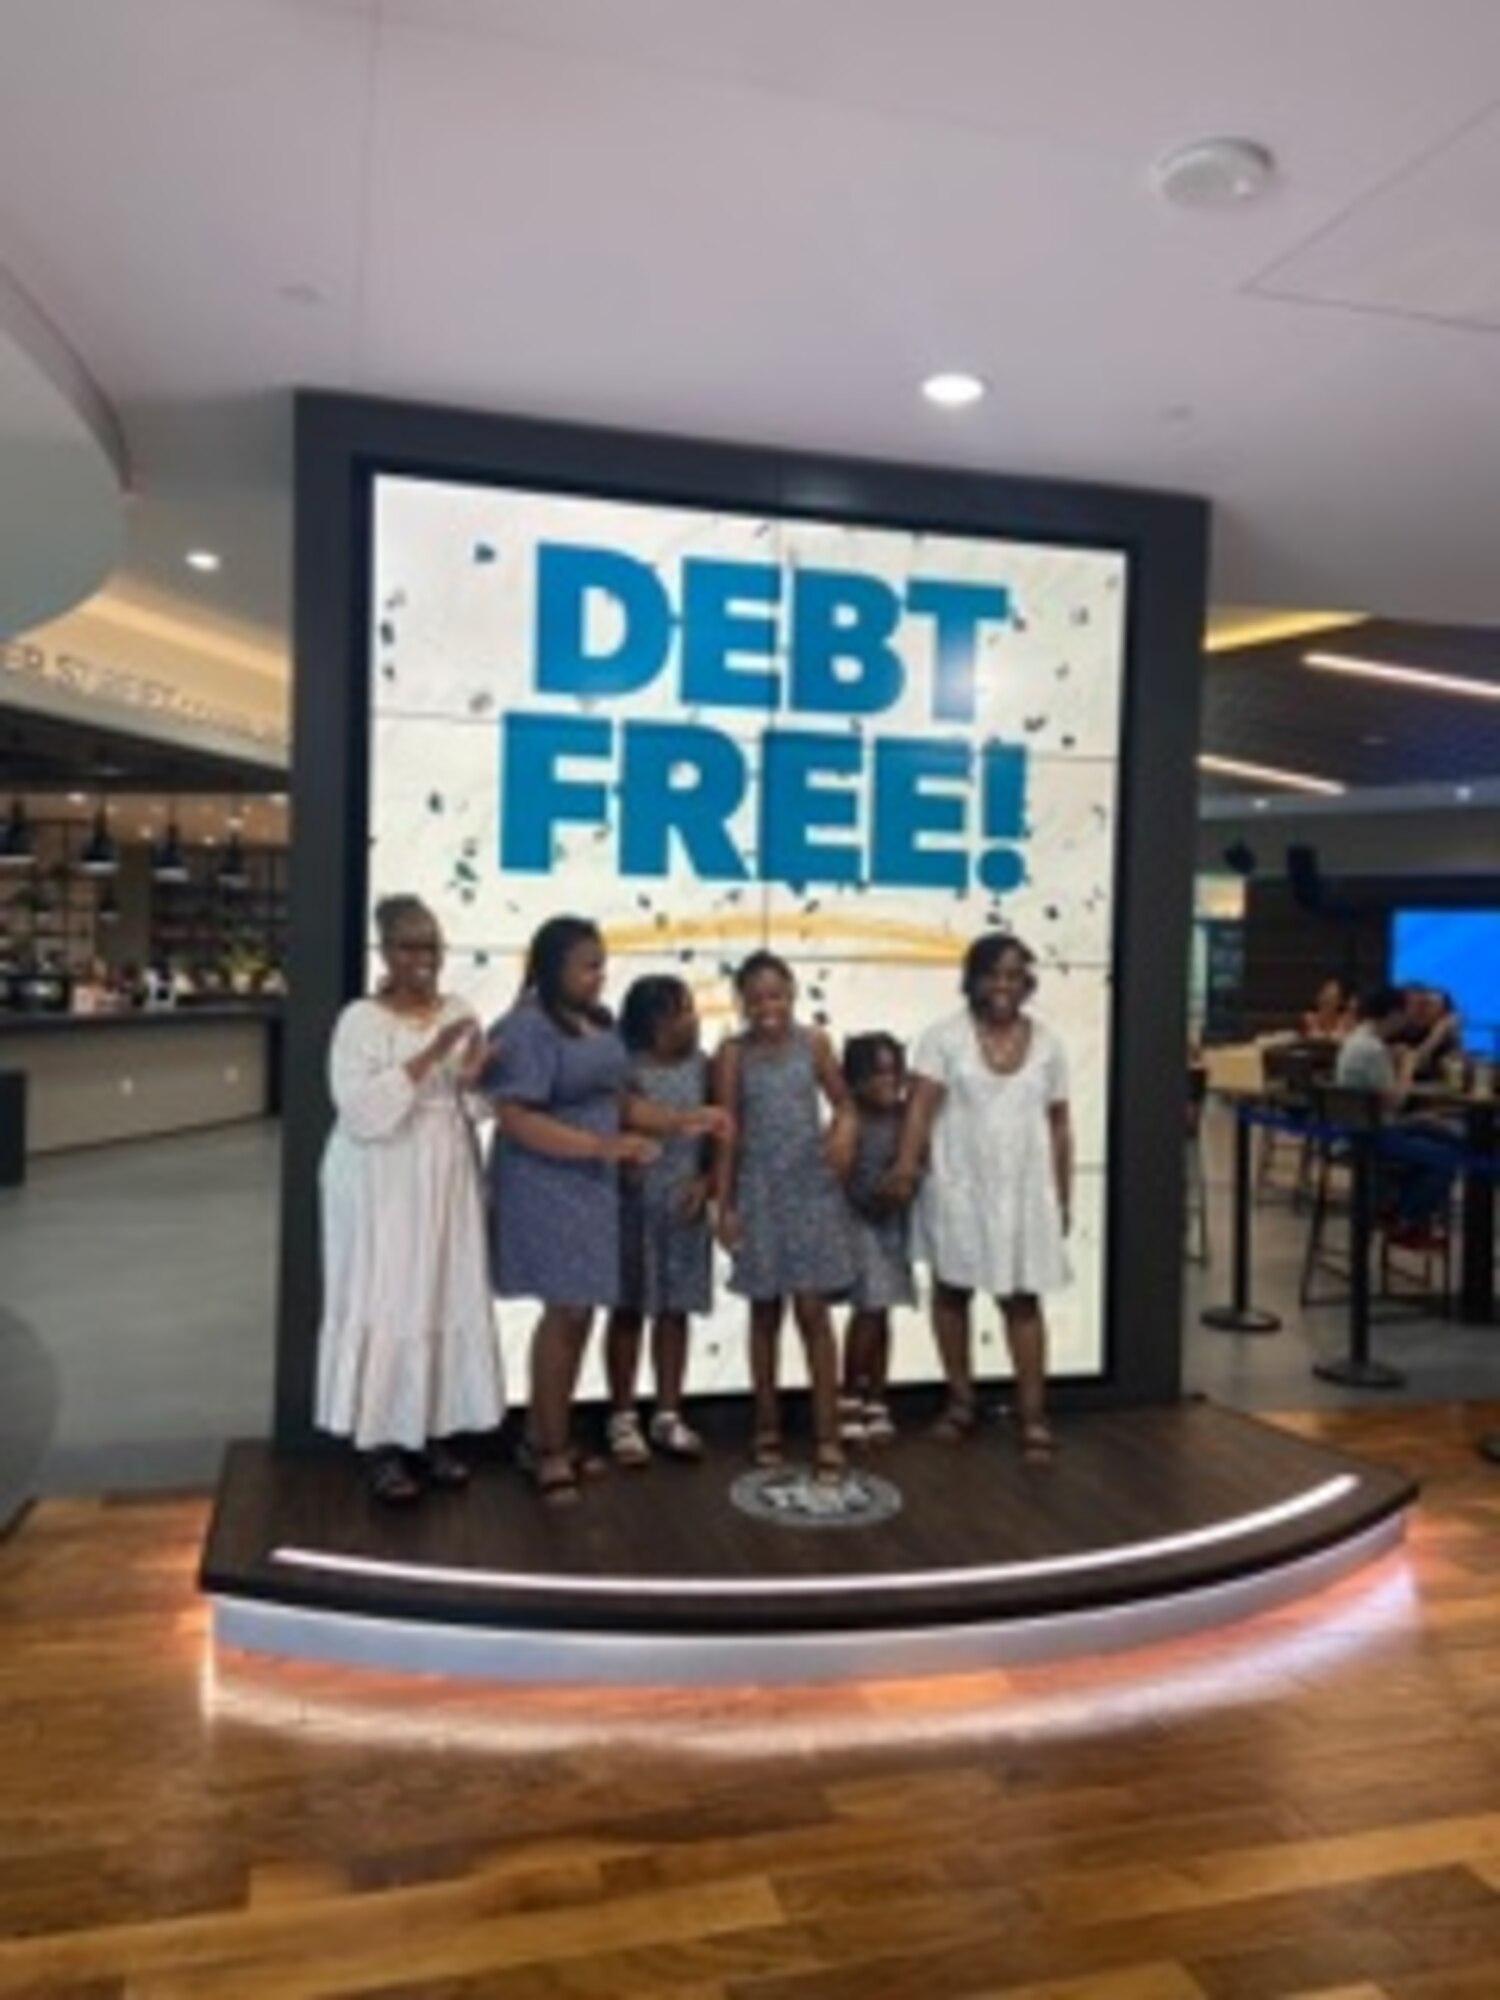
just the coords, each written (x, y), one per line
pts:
(716, 730)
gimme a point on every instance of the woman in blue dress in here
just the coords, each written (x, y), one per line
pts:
(558, 1091)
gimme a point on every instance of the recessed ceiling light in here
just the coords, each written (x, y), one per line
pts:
(1270, 774)
(953, 389)
(202, 559)
(1213, 173)
(1424, 678)
(78, 798)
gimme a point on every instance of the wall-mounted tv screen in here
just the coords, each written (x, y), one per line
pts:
(1458, 950)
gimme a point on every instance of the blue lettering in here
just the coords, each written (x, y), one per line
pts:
(843, 620)
(794, 805)
(566, 578)
(957, 610)
(714, 630)
(680, 779)
(906, 812)
(534, 796)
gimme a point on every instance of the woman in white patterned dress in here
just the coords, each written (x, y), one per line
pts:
(408, 1355)
(989, 1110)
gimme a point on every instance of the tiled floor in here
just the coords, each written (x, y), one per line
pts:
(137, 1292)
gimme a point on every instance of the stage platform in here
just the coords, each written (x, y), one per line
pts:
(1147, 1524)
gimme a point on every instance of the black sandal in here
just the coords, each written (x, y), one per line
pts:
(443, 1466)
(392, 1481)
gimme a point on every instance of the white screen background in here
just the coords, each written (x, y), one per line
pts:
(451, 640)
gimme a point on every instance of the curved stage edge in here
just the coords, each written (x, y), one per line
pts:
(1148, 1525)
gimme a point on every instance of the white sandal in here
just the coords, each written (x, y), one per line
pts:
(626, 1444)
(671, 1435)
(879, 1426)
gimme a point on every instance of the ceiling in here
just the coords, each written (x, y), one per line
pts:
(769, 222)
(1265, 705)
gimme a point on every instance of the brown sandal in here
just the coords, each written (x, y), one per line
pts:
(957, 1423)
(555, 1479)
(765, 1451)
(1038, 1445)
(829, 1464)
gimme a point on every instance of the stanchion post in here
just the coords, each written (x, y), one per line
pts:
(1357, 1369)
(1239, 1316)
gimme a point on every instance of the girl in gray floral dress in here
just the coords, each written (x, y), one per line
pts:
(666, 1247)
(781, 1210)
(875, 1071)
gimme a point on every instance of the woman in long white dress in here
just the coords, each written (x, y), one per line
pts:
(988, 1112)
(408, 1355)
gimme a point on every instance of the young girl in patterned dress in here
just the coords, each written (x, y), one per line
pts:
(781, 1210)
(875, 1071)
(666, 1247)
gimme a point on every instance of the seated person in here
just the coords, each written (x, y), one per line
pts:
(1374, 1058)
(1331, 1015)
(1431, 1030)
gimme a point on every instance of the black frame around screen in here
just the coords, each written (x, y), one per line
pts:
(344, 443)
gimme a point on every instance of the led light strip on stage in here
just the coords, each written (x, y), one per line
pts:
(580, 1658)
(974, 1709)
(1038, 1570)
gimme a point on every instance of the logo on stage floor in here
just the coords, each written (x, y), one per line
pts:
(792, 1497)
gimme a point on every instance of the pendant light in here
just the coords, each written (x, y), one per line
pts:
(16, 848)
(101, 855)
(234, 873)
(167, 863)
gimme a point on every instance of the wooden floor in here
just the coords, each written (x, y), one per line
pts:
(1307, 1805)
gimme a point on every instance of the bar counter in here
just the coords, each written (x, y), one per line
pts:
(94, 1078)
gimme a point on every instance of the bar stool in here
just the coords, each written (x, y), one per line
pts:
(1348, 1118)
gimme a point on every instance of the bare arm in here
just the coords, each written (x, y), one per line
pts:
(725, 1089)
(442, 1045)
(922, 1107)
(1403, 1066)
(644, 1114)
(842, 1137)
(830, 1076)
(1060, 1123)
